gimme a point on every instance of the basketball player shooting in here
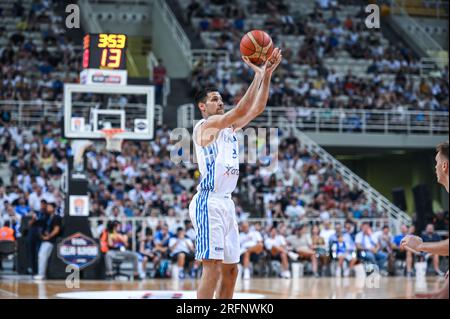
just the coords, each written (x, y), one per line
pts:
(212, 210)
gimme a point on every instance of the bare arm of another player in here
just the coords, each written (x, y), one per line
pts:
(260, 100)
(416, 243)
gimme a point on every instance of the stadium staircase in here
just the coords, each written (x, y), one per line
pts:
(396, 216)
(404, 22)
(180, 14)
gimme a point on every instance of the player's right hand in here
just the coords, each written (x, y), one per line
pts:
(257, 69)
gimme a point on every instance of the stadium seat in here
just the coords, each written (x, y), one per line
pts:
(8, 248)
(117, 262)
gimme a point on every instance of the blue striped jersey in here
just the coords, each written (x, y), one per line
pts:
(218, 162)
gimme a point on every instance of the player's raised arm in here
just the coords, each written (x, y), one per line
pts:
(211, 105)
(259, 101)
(212, 108)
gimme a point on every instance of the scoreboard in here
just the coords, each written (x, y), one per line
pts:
(104, 51)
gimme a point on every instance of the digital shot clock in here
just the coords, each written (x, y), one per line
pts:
(104, 51)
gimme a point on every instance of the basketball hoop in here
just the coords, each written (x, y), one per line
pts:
(113, 143)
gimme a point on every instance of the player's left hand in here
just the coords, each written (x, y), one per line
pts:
(269, 66)
(272, 62)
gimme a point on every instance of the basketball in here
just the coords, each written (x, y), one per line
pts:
(257, 46)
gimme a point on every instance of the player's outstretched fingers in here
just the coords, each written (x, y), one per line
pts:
(274, 65)
(273, 56)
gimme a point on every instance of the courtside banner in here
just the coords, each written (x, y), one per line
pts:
(79, 250)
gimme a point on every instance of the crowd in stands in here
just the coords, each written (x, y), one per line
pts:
(36, 57)
(299, 199)
(321, 86)
(142, 181)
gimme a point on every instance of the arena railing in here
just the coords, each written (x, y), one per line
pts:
(135, 225)
(430, 66)
(352, 121)
(25, 113)
(209, 57)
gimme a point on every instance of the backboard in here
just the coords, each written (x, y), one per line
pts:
(90, 108)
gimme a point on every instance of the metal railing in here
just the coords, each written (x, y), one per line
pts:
(430, 66)
(132, 224)
(352, 121)
(25, 113)
(209, 57)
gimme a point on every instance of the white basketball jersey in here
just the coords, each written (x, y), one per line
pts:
(218, 162)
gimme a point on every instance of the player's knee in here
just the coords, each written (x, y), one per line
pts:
(212, 270)
(231, 272)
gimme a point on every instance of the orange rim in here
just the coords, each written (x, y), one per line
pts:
(110, 132)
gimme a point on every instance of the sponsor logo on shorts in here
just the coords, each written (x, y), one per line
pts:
(218, 248)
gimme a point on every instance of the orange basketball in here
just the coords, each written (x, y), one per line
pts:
(257, 46)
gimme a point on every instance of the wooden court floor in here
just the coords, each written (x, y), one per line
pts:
(299, 288)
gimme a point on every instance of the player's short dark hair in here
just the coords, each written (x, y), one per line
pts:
(200, 96)
(443, 148)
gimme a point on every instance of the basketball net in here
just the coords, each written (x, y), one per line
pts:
(113, 143)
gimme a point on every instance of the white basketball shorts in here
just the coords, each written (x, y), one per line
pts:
(214, 219)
